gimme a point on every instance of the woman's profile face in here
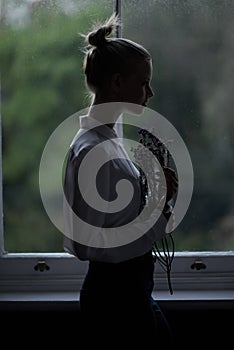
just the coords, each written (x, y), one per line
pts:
(135, 87)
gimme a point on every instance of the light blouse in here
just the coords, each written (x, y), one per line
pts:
(103, 216)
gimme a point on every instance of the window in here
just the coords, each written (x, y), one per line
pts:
(41, 85)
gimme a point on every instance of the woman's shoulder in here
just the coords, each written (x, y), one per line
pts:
(84, 141)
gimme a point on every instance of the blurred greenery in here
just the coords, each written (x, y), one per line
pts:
(192, 46)
(42, 84)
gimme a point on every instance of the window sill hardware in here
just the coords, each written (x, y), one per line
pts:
(41, 266)
(198, 265)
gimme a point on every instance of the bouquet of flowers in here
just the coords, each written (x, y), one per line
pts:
(153, 191)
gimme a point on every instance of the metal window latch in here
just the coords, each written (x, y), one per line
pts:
(198, 265)
(41, 266)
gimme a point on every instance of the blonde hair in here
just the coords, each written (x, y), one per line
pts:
(105, 56)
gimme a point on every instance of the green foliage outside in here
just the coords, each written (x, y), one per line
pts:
(193, 49)
(42, 84)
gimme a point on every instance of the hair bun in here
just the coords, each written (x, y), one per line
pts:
(98, 36)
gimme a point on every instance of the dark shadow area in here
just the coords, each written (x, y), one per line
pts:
(43, 325)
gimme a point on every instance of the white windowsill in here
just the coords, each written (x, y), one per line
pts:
(162, 295)
(58, 288)
(65, 301)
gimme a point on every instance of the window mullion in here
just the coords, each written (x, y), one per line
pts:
(118, 11)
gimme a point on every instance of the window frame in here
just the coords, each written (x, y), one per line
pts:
(62, 276)
(20, 281)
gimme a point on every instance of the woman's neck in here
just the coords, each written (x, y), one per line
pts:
(105, 110)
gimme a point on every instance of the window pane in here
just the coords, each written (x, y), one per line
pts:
(42, 85)
(192, 44)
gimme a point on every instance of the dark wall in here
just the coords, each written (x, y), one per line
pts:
(47, 324)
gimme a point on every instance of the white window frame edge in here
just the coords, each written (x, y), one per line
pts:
(1, 187)
(20, 281)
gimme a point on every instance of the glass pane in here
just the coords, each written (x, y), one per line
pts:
(192, 45)
(42, 85)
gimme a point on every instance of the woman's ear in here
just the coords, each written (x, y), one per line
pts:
(116, 83)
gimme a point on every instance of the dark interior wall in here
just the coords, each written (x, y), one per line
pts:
(197, 326)
(34, 325)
